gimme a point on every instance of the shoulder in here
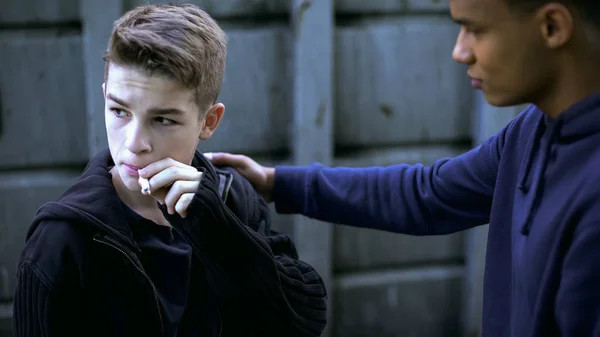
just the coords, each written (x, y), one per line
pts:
(523, 124)
(52, 248)
(240, 196)
(515, 135)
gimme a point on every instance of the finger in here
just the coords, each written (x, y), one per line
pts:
(159, 165)
(183, 203)
(159, 195)
(168, 176)
(146, 189)
(176, 191)
(223, 158)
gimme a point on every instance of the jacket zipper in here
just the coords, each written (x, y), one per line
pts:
(162, 328)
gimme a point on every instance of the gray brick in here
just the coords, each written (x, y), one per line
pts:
(6, 320)
(237, 8)
(396, 82)
(98, 16)
(256, 92)
(423, 154)
(42, 101)
(38, 10)
(408, 303)
(20, 196)
(232, 8)
(357, 248)
(363, 248)
(391, 6)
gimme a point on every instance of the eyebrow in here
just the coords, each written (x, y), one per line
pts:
(153, 111)
(117, 100)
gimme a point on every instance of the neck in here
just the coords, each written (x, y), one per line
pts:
(577, 81)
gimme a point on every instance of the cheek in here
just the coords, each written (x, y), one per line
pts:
(113, 130)
(178, 144)
(489, 57)
(109, 119)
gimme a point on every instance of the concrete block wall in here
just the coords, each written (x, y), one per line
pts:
(43, 141)
(396, 97)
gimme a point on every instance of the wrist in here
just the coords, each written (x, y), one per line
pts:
(270, 178)
(269, 183)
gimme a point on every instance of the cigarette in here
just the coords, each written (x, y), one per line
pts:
(145, 186)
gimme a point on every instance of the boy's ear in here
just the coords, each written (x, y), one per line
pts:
(104, 89)
(212, 120)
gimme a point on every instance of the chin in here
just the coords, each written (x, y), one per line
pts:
(502, 101)
(130, 182)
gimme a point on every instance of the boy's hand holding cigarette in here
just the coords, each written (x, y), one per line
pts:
(171, 183)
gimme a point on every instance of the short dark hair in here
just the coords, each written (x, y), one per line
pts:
(180, 41)
(588, 9)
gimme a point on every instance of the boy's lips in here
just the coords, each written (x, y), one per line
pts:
(476, 83)
(131, 169)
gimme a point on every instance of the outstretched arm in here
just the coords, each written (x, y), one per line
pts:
(451, 195)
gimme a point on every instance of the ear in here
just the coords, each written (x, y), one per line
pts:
(556, 24)
(212, 120)
(104, 90)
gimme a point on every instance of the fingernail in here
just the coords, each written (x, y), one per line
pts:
(208, 155)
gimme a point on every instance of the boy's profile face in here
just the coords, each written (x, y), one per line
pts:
(505, 51)
(149, 118)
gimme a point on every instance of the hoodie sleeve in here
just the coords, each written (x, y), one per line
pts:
(35, 313)
(251, 266)
(47, 291)
(30, 307)
(451, 195)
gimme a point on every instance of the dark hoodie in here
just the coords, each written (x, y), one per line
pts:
(535, 182)
(80, 272)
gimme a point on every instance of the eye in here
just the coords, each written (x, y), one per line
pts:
(120, 113)
(164, 121)
(472, 30)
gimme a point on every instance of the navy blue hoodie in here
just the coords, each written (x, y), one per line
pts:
(535, 182)
(80, 272)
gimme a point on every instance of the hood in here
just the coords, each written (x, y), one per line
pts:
(578, 122)
(93, 201)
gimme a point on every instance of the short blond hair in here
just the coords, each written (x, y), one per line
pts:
(179, 41)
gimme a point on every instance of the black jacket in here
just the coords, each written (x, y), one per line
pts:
(79, 273)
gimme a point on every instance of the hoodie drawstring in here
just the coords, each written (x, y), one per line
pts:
(538, 179)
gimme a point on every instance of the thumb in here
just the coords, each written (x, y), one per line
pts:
(213, 156)
(227, 159)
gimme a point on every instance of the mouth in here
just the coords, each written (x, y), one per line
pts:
(131, 169)
(475, 82)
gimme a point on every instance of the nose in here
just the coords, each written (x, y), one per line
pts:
(462, 52)
(137, 138)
